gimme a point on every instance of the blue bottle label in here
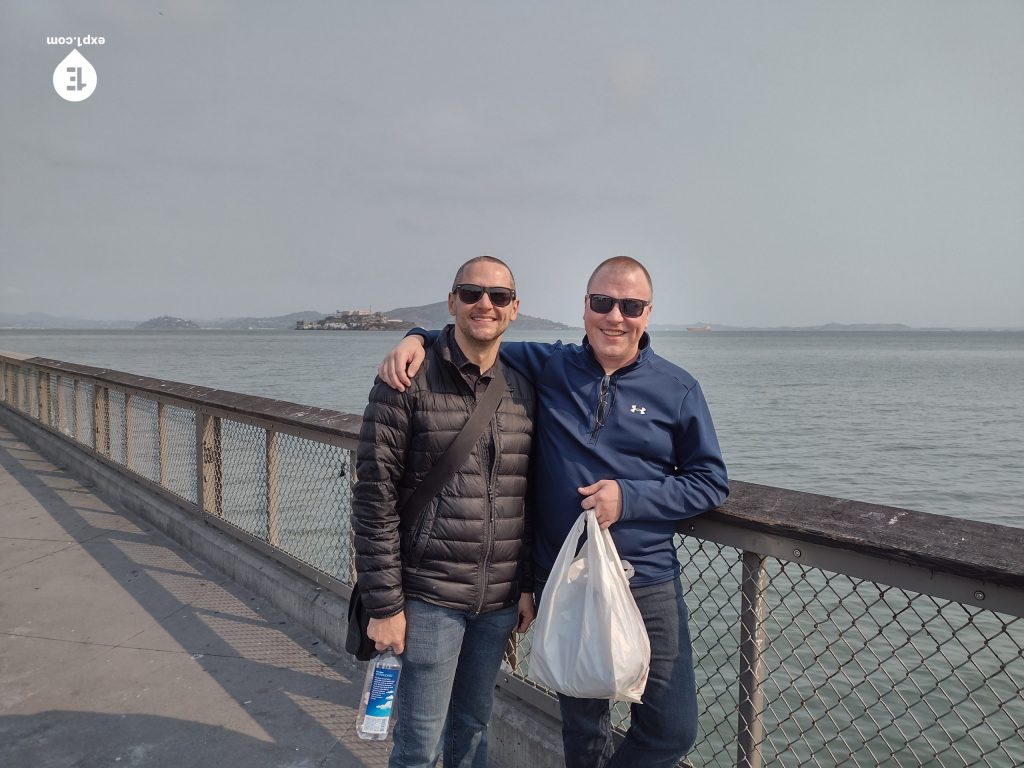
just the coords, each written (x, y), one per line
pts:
(382, 692)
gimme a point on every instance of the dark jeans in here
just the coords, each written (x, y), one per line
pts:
(664, 727)
(446, 689)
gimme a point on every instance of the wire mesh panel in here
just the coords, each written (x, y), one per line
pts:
(29, 392)
(179, 452)
(32, 394)
(18, 385)
(7, 384)
(17, 399)
(84, 422)
(16, 388)
(66, 399)
(244, 489)
(51, 391)
(314, 501)
(115, 426)
(862, 674)
(711, 573)
(19, 388)
(143, 439)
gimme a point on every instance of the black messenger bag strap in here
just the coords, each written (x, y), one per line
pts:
(357, 642)
(457, 453)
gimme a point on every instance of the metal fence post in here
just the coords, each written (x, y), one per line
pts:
(56, 406)
(161, 456)
(101, 420)
(273, 528)
(208, 460)
(128, 439)
(24, 397)
(76, 409)
(753, 638)
(43, 397)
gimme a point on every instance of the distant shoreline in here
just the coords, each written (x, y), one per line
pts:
(436, 316)
(834, 328)
(717, 330)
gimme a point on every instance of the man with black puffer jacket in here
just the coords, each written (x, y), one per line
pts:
(445, 590)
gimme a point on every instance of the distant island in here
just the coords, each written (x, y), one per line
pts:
(427, 315)
(167, 323)
(354, 320)
(436, 316)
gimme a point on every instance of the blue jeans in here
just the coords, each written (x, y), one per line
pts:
(449, 669)
(664, 727)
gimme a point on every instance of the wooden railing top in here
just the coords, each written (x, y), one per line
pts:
(293, 414)
(985, 551)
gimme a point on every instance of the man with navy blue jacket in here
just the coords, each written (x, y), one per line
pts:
(628, 434)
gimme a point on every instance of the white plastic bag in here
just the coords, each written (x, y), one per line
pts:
(589, 640)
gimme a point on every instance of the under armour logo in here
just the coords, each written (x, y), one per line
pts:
(637, 409)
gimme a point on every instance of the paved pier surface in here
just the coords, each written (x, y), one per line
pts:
(119, 648)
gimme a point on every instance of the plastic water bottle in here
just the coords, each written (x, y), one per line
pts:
(378, 697)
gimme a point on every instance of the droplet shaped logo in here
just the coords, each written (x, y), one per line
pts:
(74, 79)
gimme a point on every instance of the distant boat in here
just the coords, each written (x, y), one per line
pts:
(699, 328)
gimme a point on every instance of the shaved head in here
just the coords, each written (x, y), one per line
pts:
(476, 260)
(619, 264)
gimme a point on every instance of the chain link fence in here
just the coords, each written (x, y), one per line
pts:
(289, 491)
(797, 664)
(854, 672)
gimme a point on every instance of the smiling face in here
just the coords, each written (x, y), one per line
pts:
(615, 339)
(480, 325)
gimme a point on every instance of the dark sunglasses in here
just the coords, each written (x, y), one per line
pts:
(469, 293)
(628, 307)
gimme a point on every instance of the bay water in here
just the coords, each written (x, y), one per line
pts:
(932, 421)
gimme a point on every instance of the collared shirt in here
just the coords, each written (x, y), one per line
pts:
(478, 381)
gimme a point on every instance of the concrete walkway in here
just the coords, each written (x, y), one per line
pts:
(119, 648)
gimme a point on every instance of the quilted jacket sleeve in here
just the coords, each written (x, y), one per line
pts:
(380, 464)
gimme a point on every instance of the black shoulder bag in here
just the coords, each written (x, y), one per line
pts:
(356, 641)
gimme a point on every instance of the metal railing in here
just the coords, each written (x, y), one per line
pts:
(826, 632)
(276, 475)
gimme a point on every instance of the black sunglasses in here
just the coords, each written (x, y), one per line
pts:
(469, 293)
(628, 307)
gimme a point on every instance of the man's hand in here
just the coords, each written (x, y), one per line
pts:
(401, 364)
(388, 633)
(605, 498)
(527, 612)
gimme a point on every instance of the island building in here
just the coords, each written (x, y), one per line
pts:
(354, 320)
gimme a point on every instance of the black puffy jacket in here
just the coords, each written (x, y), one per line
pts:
(469, 547)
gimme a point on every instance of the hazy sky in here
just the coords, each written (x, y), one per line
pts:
(771, 162)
